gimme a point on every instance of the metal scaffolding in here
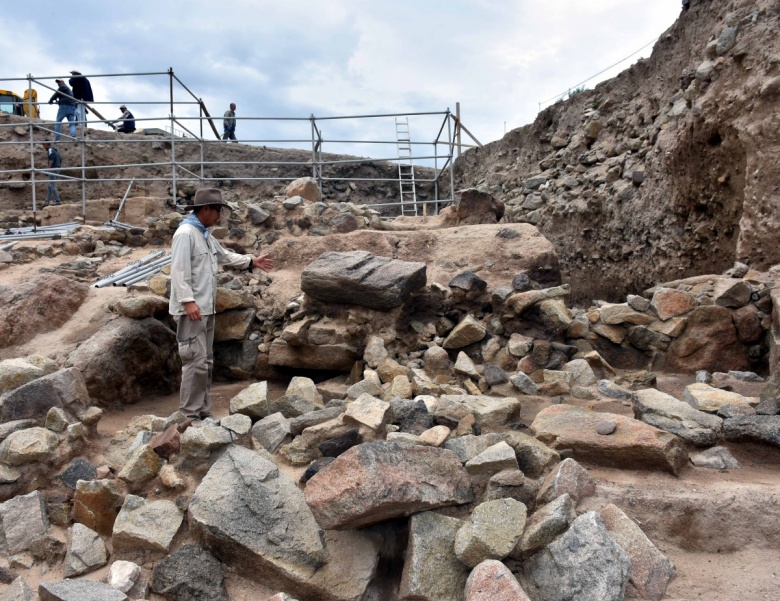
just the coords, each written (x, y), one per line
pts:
(182, 130)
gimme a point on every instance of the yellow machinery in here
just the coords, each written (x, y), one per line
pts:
(13, 104)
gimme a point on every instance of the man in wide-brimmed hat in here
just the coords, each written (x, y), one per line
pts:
(196, 256)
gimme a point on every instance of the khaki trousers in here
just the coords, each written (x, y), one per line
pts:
(196, 343)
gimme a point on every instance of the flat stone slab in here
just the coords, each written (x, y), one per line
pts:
(373, 482)
(677, 417)
(79, 590)
(633, 444)
(361, 278)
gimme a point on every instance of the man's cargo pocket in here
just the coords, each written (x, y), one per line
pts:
(188, 349)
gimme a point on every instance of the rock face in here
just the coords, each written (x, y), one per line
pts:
(709, 342)
(126, 359)
(374, 482)
(143, 524)
(651, 571)
(279, 536)
(190, 574)
(23, 521)
(491, 532)
(16, 372)
(40, 304)
(96, 504)
(360, 278)
(475, 207)
(585, 564)
(431, 569)
(86, 551)
(633, 445)
(491, 580)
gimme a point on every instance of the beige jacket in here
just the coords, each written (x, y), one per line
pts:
(195, 261)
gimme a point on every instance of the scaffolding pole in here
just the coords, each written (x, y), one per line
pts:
(194, 170)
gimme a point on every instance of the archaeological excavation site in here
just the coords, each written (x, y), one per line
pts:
(544, 368)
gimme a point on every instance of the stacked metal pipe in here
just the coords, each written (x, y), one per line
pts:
(137, 270)
(45, 231)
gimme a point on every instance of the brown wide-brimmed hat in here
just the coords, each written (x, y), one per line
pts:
(205, 197)
(59, 80)
(74, 72)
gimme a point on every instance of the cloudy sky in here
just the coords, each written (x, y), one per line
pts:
(499, 58)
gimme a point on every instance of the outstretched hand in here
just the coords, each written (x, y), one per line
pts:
(264, 262)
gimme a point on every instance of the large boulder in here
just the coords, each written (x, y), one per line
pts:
(41, 303)
(631, 445)
(491, 580)
(278, 542)
(753, 428)
(305, 187)
(23, 521)
(279, 536)
(475, 207)
(709, 342)
(377, 481)
(64, 389)
(432, 571)
(128, 358)
(585, 564)
(651, 571)
(190, 574)
(360, 278)
(20, 371)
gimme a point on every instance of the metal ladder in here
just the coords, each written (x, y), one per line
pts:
(406, 183)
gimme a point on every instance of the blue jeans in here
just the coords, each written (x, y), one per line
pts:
(66, 111)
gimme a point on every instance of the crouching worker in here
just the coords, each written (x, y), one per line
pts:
(195, 259)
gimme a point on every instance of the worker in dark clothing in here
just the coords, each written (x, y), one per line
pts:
(53, 162)
(82, 91)
(64, 97)
(126, 121)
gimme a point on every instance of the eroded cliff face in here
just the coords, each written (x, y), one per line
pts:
(666, 171)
